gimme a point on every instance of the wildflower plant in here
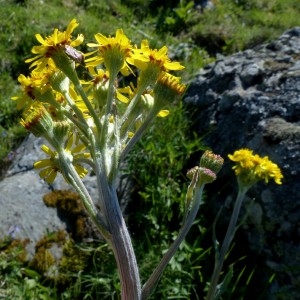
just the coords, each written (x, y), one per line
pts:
(92, 123)
(249, 169)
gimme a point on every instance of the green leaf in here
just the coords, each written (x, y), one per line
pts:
(222, 287)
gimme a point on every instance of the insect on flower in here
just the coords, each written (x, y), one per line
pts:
(74, 54)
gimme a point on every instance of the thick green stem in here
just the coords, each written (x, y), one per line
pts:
(151, 283)
(211, 295)
(120, 240)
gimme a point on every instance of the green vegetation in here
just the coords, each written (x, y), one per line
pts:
(158, 164)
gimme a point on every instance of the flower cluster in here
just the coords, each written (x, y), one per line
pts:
(103, 117)
(250, 168)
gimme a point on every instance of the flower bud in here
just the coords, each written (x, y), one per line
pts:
(60, 82)
(191, 172)
(61, 129)
(203, 175)
(206, 175)
(211, 161)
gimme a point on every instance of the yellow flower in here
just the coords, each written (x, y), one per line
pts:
(99, 76)
(51, 166)
(152, 62)
(167, 89)
(251, 168)
(97, 88)
(54, 43)
(157, 58)
(38, 120)
(34, 87)
(114, 52)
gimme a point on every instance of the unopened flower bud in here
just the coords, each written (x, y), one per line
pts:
(60, 82)
(61, 129)
(206, 175)
(191, 172)
(201, 175)
(211, 161)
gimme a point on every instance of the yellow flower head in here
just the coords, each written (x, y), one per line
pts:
(167, 89)
(152, 62)
(38, 120)
(52, 165)
(49, 166)
(57, 42)
(157, 58)
(34, 86)
(97, 87)
(114, 52)
(251, 168)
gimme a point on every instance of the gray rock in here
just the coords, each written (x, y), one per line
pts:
(23, 213)
(252, 99)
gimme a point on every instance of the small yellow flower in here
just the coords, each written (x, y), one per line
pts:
(157, 58)
(167, 89)
(152, 62)
(37, 82)
(38, 120)
(114, 52)
(251, 168)
(51, 166)
(52, 44)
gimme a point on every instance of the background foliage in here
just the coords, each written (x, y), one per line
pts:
(158, 164)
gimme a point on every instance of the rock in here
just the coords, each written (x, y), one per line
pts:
(23, 213)
(252, 100)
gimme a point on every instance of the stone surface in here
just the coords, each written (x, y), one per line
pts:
(23, 213)
(252, 99)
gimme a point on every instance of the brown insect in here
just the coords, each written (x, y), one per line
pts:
(74, 54)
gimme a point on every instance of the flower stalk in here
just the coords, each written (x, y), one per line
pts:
(249, 169)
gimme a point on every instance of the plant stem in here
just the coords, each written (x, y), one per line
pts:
(137, 136)
(151, 283)
(119, 240)
(211, 295)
